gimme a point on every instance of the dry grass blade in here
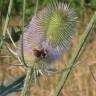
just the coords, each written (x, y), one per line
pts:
(7, 17)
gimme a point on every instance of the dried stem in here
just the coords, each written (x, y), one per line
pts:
(7, 17)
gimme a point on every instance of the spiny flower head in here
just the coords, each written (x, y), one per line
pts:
(48, 35)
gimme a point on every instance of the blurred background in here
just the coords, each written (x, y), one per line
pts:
(81, 81)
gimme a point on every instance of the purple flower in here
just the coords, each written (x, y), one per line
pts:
(48, 35)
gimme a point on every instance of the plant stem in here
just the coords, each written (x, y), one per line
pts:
(22, 49)
(37, 3)
(75, 55)
(7, 17)
(27, 83)
(28, 79)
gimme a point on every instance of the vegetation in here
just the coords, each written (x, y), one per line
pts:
(78, 77)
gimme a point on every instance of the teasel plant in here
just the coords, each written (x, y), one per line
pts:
(45, 40)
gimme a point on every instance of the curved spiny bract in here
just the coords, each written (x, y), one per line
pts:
(51, 29)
